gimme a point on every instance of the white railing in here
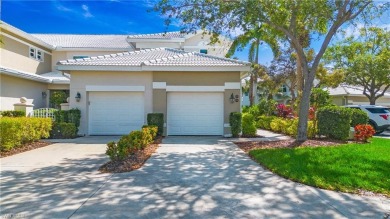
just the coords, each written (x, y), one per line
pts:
(43, 113)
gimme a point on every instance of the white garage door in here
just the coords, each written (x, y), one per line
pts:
(195, 113)
(115, 113)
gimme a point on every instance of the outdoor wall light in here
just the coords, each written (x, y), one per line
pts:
(44, 94)
(231, 98)
(78, 97)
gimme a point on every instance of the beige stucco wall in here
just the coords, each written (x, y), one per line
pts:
(364, 100)
(79, 80)
(12, 88)
(338, 100)
(15, 55)
(197, 79)
(201, 42)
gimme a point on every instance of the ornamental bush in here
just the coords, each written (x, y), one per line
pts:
(156, 119)
(13, 113)
(264, 122)
(248, 125)
(334, 122)
(358, 117)
(68, 116)
(363, 132)
(63, 130)
(17, 131)
(267, 107)
(235, 123)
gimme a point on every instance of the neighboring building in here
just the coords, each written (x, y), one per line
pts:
(119, 79)
(28, 61)
(353, 95)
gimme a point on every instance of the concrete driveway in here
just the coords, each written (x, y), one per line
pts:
(189, 177)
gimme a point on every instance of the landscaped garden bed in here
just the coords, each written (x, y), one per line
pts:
(24, 147)
(133, 161)
(361, 168)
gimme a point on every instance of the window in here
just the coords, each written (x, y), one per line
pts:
(80, 57)
(33, 52)
(378, 110)
(36, 54)
(283, 89)
(204, 51)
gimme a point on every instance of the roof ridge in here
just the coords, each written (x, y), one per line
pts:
(151, 34)
(181, 54)
(222, 58)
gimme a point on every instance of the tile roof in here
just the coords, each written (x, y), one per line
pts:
(50, 77)
(349, 90)
(155, 57)
(167, 35)
(85, 41)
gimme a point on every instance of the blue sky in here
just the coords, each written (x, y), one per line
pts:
(103, 17)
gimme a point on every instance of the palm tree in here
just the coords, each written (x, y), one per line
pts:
(254, 38)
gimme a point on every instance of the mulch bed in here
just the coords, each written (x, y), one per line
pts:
(23, 148)
(251, 145)
(133, 161)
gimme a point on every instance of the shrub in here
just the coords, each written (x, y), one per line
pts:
(13, 113)
(248, 125)
(156, 119)
(68, 116)
(254, 110)
(267, 107)
(363, 132)
(334, 122)
(17, 131)
(264, 122)
(63, 130)
(284, 110)
(153, 129)
(276, 124)
(235, 123)
(358, 117)
(112, 151)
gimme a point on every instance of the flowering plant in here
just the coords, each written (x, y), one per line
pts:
(283, 110)
(363, 132)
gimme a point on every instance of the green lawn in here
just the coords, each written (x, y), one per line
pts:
(343, 168)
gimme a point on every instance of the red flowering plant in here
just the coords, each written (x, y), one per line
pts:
(284, 111)
(312, 113)
(363, 132)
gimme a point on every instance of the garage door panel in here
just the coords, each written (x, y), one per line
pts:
(195, 113)
(115, 113)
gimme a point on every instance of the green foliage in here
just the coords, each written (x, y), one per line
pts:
(235, 123)
(267, 107)
(365, 60)
(319, 98)
(334, 122)
(63, 130)
(358, 117)
(68, 116)
(156, 119)
(131, 143)
(253, 110)
(57, 97)
(13, 113)
(285, 126)
(347, 168)
(248, 125)
(17, 131)
(264, 122)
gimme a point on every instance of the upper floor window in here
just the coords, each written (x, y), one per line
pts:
(204, 51)
(283, 88)
(36, 54)
(80, 57)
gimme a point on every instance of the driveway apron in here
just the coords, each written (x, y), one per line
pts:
(188, 177)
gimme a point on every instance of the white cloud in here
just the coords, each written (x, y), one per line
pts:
(87, 13)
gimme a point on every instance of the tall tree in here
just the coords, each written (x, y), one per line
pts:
(320, 18)
(254, 38)
(365, 59)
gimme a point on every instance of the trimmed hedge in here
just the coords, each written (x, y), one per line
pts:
(248, 125)
(63, 130)
(285, 126)
(131, 143)
(68, 116)
(13, 113)
(358, 117)
(17, 131)
(156, 119)
(334, 122)
(235, 123)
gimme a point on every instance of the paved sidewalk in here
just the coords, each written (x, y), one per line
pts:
(189, 177)
(265, 136)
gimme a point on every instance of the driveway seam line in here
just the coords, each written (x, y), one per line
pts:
(105, 182)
